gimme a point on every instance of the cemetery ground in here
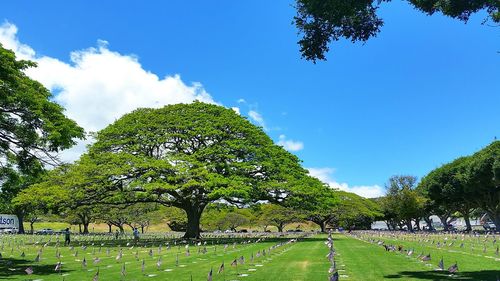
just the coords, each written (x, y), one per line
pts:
(358, 256)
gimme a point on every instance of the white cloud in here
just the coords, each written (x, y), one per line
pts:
(98, 85)
(257, 118)
(9, 41)
(326, 176)
(236, 109)
(242, 101)
(290, 145)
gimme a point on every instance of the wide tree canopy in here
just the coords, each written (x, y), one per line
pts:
(447, 190)
(32, 127)
(484, 180)
(185, 156)
(323, 21)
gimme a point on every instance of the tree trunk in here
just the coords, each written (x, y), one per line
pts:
(394, 225)
(79, 228)
(409, 227)
(31, 227)
(417, 223)
(428, 221)
(20, 217)
(321, 223)
(193, 224)
(142, 229)
(496, 220)
(280, 227)
(444, 221)
(467, 222)
(86, 228)
(109, 227)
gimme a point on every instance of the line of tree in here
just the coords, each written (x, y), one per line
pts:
(187, 157)
(466, 186)
(152, 162)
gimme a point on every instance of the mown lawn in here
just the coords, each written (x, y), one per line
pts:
(303, 260)
(363, 260)
(358, 259)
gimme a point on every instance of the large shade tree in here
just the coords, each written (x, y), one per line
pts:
(33, 129)
(185, 156)
(446, 189)
(353, 211)
(407, 204)
(484, 180)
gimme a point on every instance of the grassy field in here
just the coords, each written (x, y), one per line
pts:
(359, 258)
(365, 259)
(285, 262)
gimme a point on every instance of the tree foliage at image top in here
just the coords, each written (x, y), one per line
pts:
(31, 125)
(323, 21)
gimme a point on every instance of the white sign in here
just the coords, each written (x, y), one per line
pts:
(7, 221)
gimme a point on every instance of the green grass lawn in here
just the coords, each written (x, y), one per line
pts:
(357, 259)
(286, 262)
(369, 261)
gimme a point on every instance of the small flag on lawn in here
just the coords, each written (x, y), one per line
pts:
(221, 268)
(58, 266)
(441, 264)
(234, 263)
(143, 266)
(29, 270)
(335, 276)
(123, 270)
(37, 259)
(452, 269)
(84, 262)
(426, 258)
(209, 277)
(158, 263)
(96, 276)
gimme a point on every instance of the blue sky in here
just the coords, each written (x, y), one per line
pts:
(422, 93)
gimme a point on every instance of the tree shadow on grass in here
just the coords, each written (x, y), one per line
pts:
(486, 275)
(13, 268)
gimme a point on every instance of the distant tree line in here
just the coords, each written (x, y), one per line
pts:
(466, 186)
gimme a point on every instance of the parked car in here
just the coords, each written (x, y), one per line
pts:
(9, 230)
(45, 231)
(62, 231)
(489, 226)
